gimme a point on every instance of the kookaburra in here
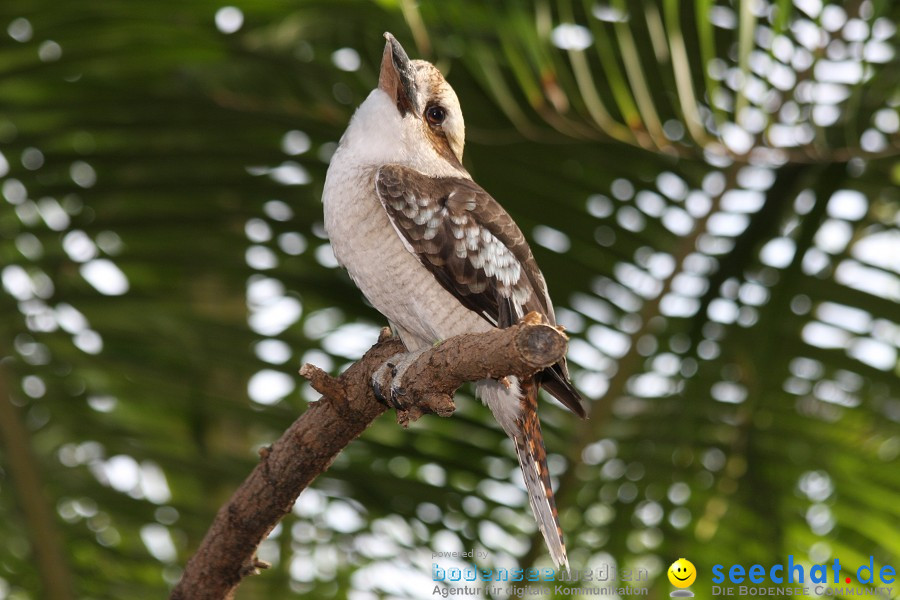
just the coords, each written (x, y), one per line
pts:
(437, 255)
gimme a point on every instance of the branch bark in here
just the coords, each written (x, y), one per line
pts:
(347, 407)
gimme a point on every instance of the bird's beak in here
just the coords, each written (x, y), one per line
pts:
(397, 78)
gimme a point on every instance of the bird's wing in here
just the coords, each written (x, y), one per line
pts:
(475, 250)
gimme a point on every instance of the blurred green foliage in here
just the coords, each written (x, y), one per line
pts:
(711, 191)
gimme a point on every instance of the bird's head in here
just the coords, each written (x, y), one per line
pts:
(424, 100)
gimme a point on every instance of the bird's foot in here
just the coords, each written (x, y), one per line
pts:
(389, 378)
(391, 388)
(383, 380)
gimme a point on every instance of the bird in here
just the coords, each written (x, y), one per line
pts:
(436, 254)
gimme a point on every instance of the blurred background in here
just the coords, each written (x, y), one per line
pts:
(710, 187)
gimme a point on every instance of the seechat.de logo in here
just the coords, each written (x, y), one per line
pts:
(682, 574)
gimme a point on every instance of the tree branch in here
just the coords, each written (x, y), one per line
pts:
(348, 405)
(40, 520)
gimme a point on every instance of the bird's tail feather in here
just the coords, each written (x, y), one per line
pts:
(533, 460)
(522, 425)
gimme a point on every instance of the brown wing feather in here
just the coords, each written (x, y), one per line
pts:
(475, 250)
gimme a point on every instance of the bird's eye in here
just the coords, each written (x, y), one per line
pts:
(435, 114)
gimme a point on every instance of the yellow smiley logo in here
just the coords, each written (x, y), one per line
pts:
(682, 573)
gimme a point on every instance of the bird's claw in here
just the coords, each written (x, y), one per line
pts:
(387, 380)
(377, 390)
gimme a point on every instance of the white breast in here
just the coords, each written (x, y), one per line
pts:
(366, 244)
